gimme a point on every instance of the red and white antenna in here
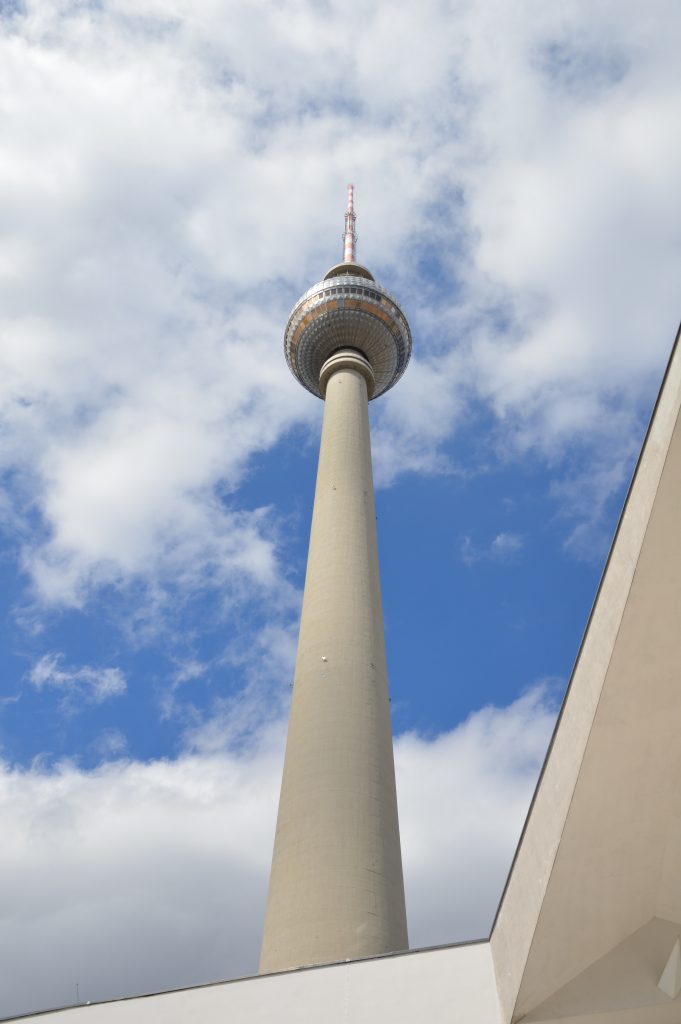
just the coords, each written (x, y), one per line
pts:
(350, 236)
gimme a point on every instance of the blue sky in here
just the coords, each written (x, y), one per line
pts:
(173, 177)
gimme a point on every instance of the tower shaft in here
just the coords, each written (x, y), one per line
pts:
(336, 888)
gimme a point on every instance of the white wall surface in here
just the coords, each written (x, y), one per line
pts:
(439, 986)
(590, 867)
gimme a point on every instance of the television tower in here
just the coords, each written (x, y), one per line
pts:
(336, 889)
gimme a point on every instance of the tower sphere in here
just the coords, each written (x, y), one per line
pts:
(348, 309)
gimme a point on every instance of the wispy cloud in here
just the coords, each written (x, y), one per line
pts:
(506, 544)
(111, 744)
(504, 547)
(84, 683)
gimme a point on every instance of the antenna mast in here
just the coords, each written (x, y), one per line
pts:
(350, 236)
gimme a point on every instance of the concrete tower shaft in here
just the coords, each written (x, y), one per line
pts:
(336, 888)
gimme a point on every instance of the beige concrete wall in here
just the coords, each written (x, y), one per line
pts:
(588, 867)
(336, 889)
(440, 986)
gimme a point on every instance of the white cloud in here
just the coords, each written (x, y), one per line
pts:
(135, 877)
(111, 743)
(505, 544)
(165, 172)
(566, 163)
(463, 796)
(504, 547)
(568, 211)
(134, 379)
(414, 422)
(92, 684)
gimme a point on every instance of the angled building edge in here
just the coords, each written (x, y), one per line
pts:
(588, 924)
(592, 906)
(402, 988)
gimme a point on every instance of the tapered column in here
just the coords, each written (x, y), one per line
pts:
(336, 889)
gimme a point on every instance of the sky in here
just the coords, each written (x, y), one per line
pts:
(172, 178)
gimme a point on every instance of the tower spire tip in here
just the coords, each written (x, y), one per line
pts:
(350, 235)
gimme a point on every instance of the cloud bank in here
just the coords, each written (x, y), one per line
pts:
(144, 876)
(171, 179)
